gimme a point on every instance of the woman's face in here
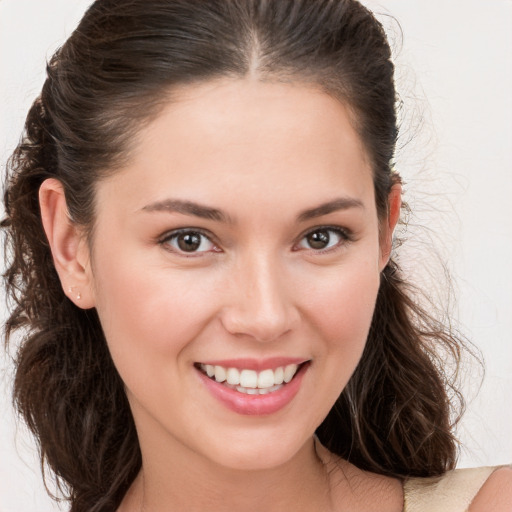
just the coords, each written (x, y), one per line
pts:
(241, 242)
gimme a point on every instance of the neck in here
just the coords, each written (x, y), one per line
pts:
(299, 484)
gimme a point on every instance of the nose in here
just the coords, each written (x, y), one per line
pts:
(260, 303)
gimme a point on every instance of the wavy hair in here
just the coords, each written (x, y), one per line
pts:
(110, 78)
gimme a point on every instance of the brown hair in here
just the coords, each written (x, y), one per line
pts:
(110, 78)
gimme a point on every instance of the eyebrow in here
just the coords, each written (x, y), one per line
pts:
(342, 203)
(188, 208)
(210, 213)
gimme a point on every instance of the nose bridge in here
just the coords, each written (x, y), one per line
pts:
(260, 306)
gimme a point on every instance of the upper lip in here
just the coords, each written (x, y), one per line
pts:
(255, 364)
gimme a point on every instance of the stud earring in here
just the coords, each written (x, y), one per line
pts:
(78, 295)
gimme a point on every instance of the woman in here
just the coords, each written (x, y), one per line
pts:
(186, 347)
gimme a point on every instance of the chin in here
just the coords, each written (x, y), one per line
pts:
(256, 452)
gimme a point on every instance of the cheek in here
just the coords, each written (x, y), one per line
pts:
(149, 315)
(339, 312)
(341, 309)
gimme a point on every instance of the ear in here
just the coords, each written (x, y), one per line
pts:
(68, 245)
(389, 224)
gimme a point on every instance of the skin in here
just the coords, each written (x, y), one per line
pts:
(262, 154)
(496, 494)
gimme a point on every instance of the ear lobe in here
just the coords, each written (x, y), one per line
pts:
(386, 244)
(68, 245)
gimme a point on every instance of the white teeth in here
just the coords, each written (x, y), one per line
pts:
(252, 391)
(220, 374)
(250, 381)
(289, 372)
(266, 379)
(233, 376)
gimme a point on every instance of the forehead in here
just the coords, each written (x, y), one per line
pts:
(267, 140)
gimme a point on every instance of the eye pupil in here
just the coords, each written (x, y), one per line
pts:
(318, 239)
(189, 242)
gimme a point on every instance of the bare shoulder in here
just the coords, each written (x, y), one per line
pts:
(496, 494)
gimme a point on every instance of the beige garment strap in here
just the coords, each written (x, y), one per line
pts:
(452, 492)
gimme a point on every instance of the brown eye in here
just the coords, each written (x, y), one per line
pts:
(318, 239)
(189, 242)
(323, 238)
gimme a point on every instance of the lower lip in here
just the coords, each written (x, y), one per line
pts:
(255, 405)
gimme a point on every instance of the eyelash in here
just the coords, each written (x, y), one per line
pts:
(344, 235)
(166, 240)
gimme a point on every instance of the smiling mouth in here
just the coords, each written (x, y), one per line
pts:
(251, 382)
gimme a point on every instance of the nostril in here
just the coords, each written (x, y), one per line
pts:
(257, 326)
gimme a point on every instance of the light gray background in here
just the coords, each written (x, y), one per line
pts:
(454, 76)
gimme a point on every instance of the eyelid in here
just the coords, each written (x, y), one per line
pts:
(169, 235)
(345, 233)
